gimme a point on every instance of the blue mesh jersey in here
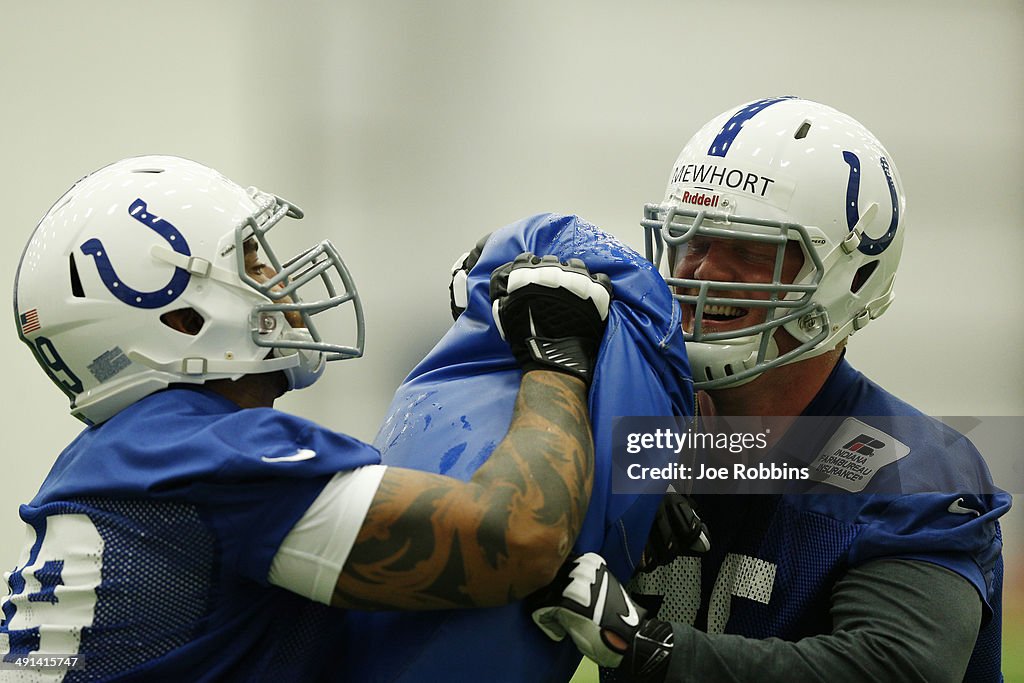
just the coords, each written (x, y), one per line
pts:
(774, 559)
(456, 404)
(150, 540)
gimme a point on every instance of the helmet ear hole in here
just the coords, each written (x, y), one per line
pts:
(185, 320)
(862, 275)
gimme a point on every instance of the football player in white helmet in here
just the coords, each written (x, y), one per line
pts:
(192, 532)
(783, 223)
(811, 203)
(146, 237)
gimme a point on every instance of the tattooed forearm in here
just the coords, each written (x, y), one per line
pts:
(548, 452)
(430, 541)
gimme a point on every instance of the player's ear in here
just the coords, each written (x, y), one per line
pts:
(185, 320)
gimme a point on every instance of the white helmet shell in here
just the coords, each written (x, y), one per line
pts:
(152, 234)
(778, 170)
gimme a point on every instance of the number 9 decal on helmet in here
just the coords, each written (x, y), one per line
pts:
(152, 235)
(809, 204)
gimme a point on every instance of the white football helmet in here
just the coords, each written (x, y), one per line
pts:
(773, 171)
(153, 234)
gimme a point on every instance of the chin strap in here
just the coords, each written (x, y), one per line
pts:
(197, 367)
(308, 370)
(722, 381)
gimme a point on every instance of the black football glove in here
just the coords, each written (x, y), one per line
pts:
(552, 314)
(458, 287)
(586, 602)
(677, 530)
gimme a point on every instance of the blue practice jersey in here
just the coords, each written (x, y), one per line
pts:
(457, 404)
(774, 559)
(149, 544)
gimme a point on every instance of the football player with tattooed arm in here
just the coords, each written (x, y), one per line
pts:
(783, 223)
(192, 532)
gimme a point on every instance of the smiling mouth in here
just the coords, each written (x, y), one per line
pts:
(723, 314)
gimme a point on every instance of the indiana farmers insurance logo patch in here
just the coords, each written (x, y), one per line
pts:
(855, 454)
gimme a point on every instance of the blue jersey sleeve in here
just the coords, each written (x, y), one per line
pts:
(273, 465)
(250, 474)
(959, 533)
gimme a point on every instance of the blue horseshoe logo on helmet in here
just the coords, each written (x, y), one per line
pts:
(133, 297)
(868, 245)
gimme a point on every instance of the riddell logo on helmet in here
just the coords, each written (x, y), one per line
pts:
(700, 199)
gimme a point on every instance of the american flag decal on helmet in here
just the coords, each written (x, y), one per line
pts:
(29, 321)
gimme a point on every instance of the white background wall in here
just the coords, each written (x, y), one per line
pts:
(408, 129)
